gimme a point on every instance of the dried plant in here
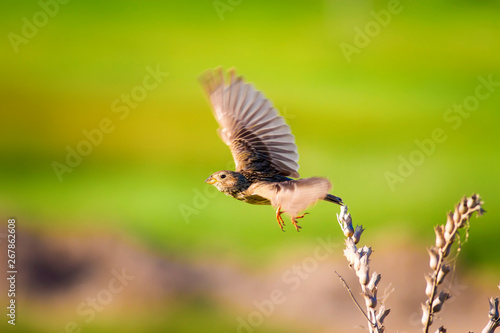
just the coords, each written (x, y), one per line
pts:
(494, 316)
(359, 260)
(445, 237)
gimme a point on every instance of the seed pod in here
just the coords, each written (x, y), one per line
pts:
(363, 271)
(382, 313)
(343, 210)
(345, 222)
(429, 286)
(348, 230)
(365, 251)
(443, 296)
(440, 241)
(347, 217)
(372, 285)
(471, 203)
(456, 216)
(445, 269)
(493, 313)
(433, 258)
(362, 276)
(370, 301)
(357, 233)
(425, 314)
(438, 302)
(357, 262)
(462, 207)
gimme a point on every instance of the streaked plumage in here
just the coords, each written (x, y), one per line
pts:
(263, 149)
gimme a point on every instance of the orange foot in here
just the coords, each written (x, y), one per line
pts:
(281, 223)
(294, 221)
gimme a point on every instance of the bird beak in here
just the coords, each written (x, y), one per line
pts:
(210, 180)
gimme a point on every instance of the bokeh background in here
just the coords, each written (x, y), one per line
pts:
(193, 259)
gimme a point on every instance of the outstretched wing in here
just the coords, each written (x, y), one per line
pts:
(293, 195)
(259, 139)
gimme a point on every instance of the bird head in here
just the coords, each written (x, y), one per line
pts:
(223, 180)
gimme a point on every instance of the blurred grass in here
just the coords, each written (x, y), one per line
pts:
(351, 121)
(202, 313)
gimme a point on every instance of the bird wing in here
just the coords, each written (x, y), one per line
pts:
(259, 139)
(293, 196)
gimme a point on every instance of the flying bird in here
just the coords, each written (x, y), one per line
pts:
(263, 150)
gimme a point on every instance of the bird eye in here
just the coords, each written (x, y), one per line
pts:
(222, 176)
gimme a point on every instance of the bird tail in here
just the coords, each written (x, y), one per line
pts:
(334, 199)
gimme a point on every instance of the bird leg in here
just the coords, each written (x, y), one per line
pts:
(281, 223)
(294, 221)
(301, 216)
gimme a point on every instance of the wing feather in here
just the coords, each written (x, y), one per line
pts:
(258, 137)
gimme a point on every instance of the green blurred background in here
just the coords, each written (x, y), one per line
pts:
(353, 122)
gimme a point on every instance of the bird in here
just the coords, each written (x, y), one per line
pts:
(263, 149)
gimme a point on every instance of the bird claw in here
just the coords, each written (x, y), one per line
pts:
(294, 221)
(281, 222)
(301, 216)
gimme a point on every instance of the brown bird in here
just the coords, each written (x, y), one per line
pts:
(263, 150)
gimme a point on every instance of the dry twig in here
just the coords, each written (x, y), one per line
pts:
(494, 316)
(359, 260)
(445, 237)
